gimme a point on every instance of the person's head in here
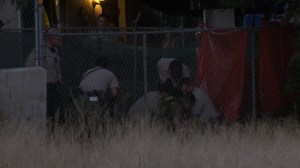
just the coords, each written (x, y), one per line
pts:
(53, 38)
(102, 20)
(102, 62)
(175, 69)
(188, 100)
(186, 85)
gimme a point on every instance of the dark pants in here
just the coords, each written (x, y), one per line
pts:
(54, 101)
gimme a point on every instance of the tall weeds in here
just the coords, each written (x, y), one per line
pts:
(264, 144)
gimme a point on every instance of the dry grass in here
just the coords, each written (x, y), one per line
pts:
(267, 144)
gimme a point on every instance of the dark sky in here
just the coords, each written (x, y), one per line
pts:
(183, 7)
(180, 7)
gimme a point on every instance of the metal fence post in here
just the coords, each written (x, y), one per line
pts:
(38, 32)
(135, 55)
(182, 33)
(134, 65)
(253, 72)
(145, 72)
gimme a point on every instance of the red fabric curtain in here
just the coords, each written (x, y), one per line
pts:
(220, 69)
(275, 51)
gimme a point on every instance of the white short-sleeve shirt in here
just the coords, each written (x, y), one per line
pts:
(137, 110)
(203, 106)
(100, 79)
(163, 72)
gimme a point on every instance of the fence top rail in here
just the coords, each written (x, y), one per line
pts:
(147, 32)
(87, 31)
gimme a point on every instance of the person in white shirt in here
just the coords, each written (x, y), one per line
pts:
(203, 106)
(51, 62)
(171, 71)
(170, 68)
(100, 79)
(137, 110)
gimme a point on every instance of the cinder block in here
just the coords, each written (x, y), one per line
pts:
(34, 111)
(2, 93)
(35, 93)
(15, 78)
(8, 95)
(25, 94)
(6, 114)
(28, 94)
(35, 76)
(40, 113)
(1, 109)
(25, 111)
(3, 77)
(15, 95)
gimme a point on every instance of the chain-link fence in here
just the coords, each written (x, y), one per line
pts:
(242, 70)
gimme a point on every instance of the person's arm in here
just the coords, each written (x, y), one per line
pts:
(114, 91)
(114, 86)
(162, 68)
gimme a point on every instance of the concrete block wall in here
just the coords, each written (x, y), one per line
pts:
(23, 94)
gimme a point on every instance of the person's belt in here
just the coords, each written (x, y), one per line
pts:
(94, 96)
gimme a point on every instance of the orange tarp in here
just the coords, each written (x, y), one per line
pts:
(221, 69)
(275, 51)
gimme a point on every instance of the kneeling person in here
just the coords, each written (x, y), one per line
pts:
(100, 80)
(203, 106)
(170, 110)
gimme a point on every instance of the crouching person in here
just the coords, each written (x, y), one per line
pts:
(100, 89)
(100, 84)
(203, 108)
(170, 112)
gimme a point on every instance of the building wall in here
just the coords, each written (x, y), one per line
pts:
(71, 13)
(9, 16)
(78, 13)
(23, 95)
(220, 18)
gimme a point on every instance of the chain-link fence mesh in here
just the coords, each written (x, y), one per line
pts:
(127, 54)
(15, 47)
(236, 68)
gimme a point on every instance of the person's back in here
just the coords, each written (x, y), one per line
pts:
(100, 89)
(137, 110)
(203, 107)
(100, 78)
(164, 71)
